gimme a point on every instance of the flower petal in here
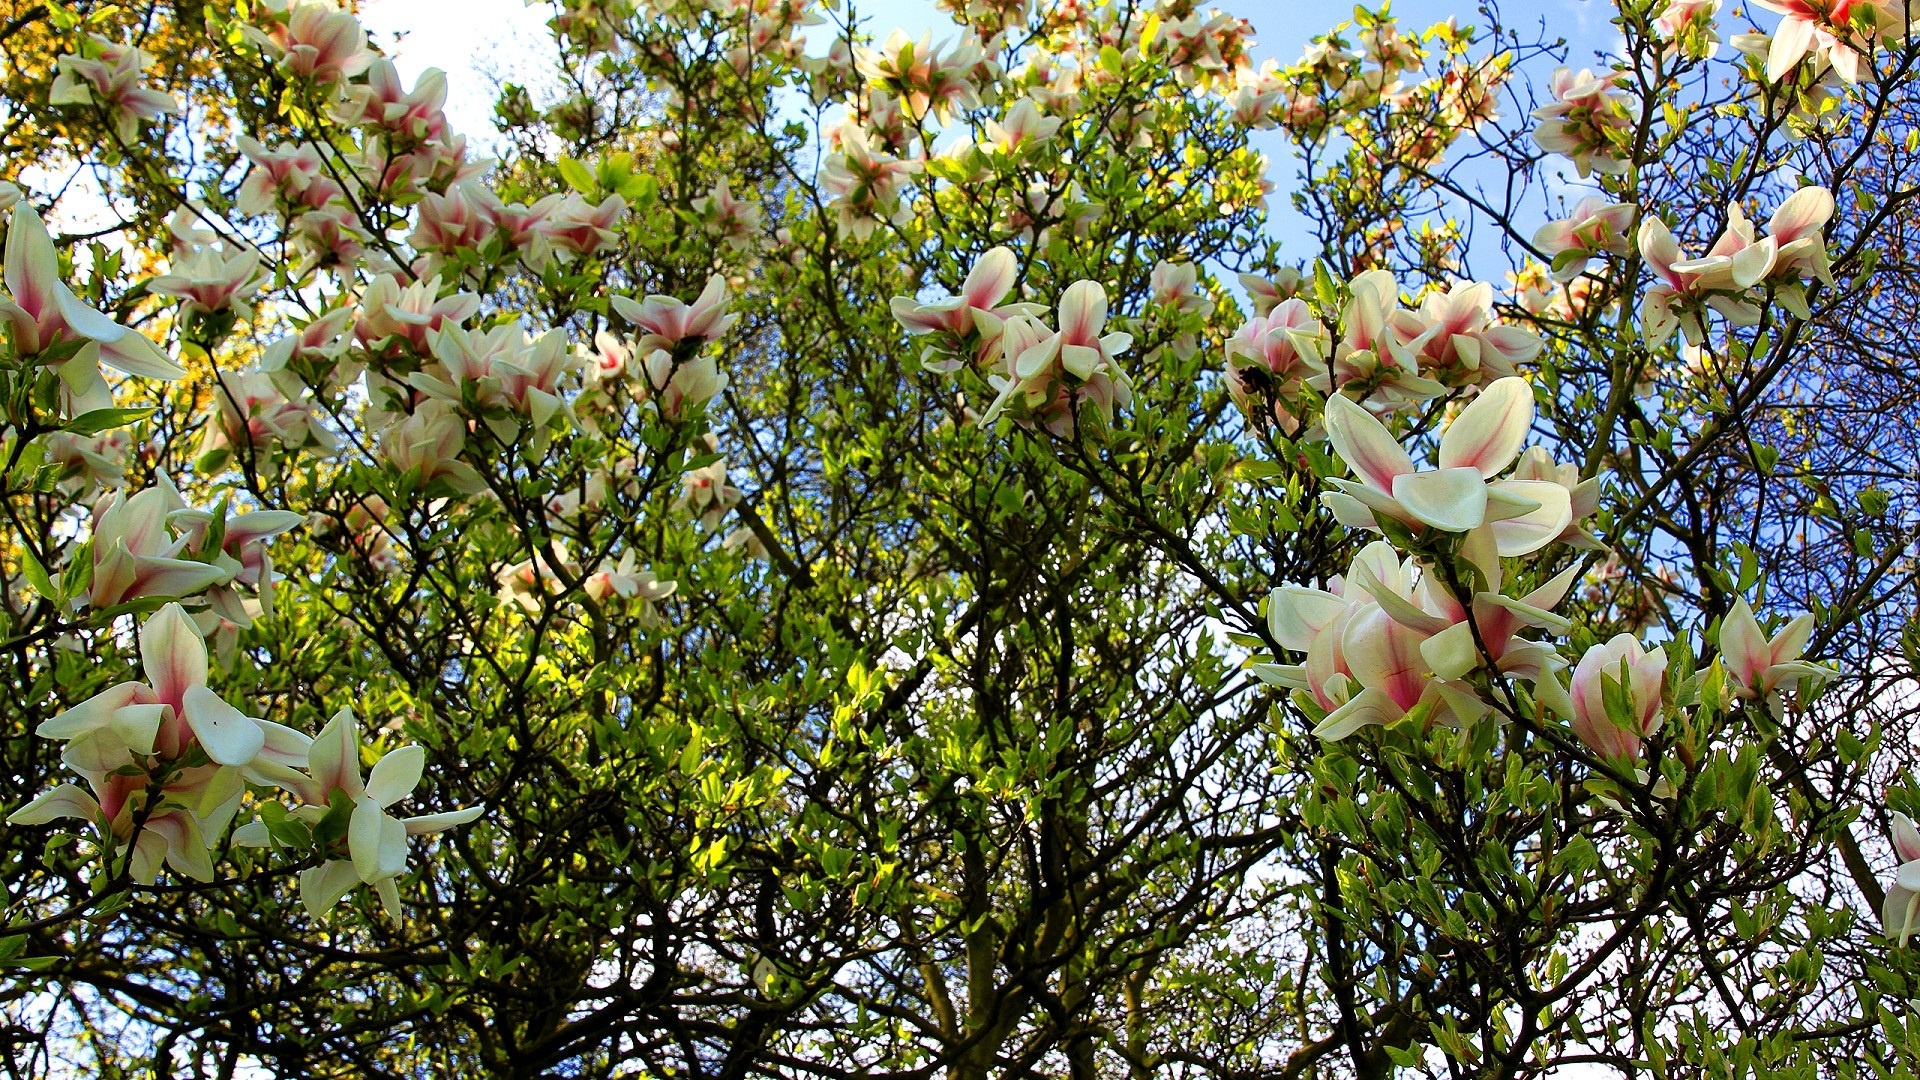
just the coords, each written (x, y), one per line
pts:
(172, 654)
(1488, 432)
(990, 279)
(65, 801)
(433, 823)
(1364, 444)
(1535, 529)
(395, 775)
(1451, 500)
(230, 736)
(322, 886)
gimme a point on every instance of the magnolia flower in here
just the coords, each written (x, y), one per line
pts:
(927, 81)
(666, 321)
(311, 355)
(1176, 285)
(111, 78)
(1761, 666)
(209, 281)
(388, 310)
(384, 102)
(1738, 261)
(1586, 120)
(1022, 128)
(89, 462)
(499, 368)
(136, 555)
(1461, 494)
(1679, 17)
(583, 228)
(628, 582)
(1268, 293)
(1461, 346)
(130, 734)
(1596, 226)
(315, 40)
(1363, 665)
(1900, 915)
(735, 221)
(1825, 30)
(1045, 375)
(243, 555)
(1372, 350)
(976, 311)
(707, 494)
(1639, 675)
(1274, 354)
(1583, 496)
(527, 582)
(41, 310)
(376, 840)
(427, 444)
(865, 184)
(1453, 634)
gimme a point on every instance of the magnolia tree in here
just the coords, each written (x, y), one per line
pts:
(830, 555)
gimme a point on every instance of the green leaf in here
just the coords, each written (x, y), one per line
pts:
(99, 420)
(578, 176)
(37, 575)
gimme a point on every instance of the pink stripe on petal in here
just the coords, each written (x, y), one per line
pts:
(172, 654)
(1488, 432)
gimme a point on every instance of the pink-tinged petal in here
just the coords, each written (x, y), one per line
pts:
(90, 715)
(120, 348)
(1790, 42)
(259, 525)
(1384, 655)
(1743, 648)
(172, 654)
(186, 848)
(915, 317)
(1451, 500)
(1803, 213)
(1901, 913)
(322, 886)
(154, 576)
(395, 775)
(433, 823)
(1531, 531)
(1792, 639)
(1297, 614)
(990, 279)
(1658, 247)
(1906, 838)
(1083, 311)
(1366, 707)
(33, 267)
(1488, 432)
(1381, 562)
(1364, 444)
(1525, 614)
(65, 801)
